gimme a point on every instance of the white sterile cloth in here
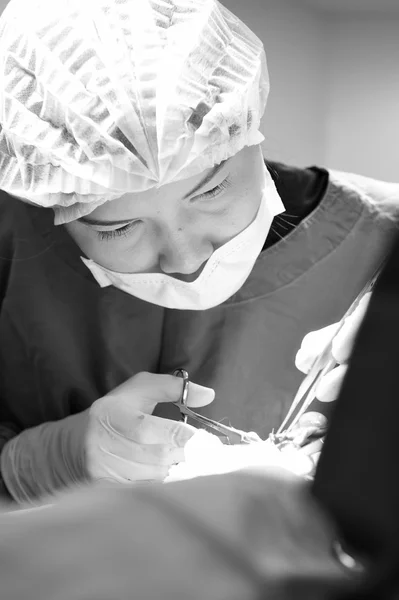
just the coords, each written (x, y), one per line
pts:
(205, 454)
(99, 98)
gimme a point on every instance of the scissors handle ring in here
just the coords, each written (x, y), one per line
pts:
(184, 395)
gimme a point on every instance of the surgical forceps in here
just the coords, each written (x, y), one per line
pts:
(322, 365)
(232, 435)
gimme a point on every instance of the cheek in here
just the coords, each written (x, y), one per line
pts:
(242, 211)
(78, 237)
(117, 255)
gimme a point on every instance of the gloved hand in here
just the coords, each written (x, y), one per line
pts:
(125, 442)
(314, 343)
(117, 438)
(329, 386)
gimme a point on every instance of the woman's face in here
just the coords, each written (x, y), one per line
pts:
(176, 228)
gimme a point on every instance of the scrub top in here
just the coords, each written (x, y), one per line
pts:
(65, 342)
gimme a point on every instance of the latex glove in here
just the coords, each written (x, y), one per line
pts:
(125, 442)
(205, 454)
(330, 385)
(312, 345)
(117, 438)
(243, 535)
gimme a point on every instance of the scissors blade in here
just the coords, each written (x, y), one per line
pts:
(234, 436)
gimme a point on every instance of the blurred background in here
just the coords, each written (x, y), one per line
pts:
(334, 69)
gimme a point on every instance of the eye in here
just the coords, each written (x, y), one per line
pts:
(216, 191)
(115, 233)
(126, 229)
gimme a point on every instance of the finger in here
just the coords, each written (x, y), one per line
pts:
(152, 454)
(312, 346)
(308, 425)
(155, 430)
(146, 429)
(124, 471)
(311, 419)
(145, 390)
(345, 339)
(329, 387)
(312, 448)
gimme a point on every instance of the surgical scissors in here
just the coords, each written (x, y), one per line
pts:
(232, 435)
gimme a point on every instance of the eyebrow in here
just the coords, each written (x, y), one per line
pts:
(207, 178)
(199, 186)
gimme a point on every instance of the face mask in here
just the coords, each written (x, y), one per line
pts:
(224, 273)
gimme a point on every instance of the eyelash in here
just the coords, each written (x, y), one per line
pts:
(226, 183)
(115, 233)
(125, 230)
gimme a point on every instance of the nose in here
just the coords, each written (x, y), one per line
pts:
(185, 257)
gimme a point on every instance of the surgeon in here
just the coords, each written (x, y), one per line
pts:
(142, 230)
(260, 533)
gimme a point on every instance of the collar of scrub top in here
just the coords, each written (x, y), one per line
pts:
(323, 363)
(232, 436)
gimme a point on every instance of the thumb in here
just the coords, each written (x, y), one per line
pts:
(145, 390)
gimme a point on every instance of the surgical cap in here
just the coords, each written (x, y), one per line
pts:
(99, 98)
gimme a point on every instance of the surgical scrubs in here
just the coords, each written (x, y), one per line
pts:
(64, 341)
